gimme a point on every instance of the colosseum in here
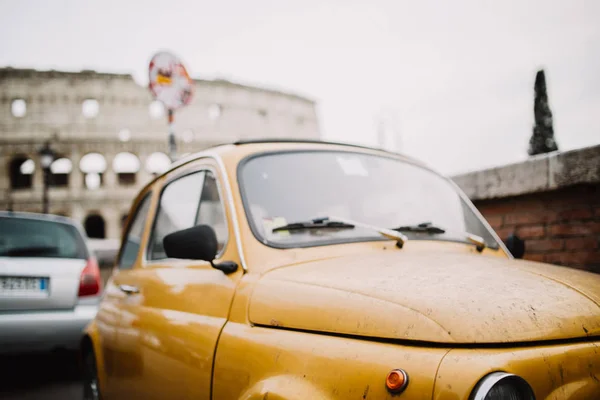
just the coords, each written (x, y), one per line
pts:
(109, 138)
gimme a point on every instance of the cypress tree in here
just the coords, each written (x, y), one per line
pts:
(542, 140)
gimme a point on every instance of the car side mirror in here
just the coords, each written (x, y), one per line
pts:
(196, 243)
(515, 245)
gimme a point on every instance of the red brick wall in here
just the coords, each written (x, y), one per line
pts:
(559, 227)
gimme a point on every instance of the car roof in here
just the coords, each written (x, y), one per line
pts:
(310, 141)
(39, 217)
(287, 144)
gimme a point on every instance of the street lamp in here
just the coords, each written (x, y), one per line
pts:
(46, 159)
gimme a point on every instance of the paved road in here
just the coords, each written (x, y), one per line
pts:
(40, 377)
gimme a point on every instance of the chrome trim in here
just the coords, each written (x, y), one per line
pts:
(478, 240)
(489, 381)
(403, 387)
(481, 218)
(128, 289)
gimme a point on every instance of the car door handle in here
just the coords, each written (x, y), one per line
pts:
(129, 289)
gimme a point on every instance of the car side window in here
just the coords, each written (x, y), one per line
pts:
(133, 239)
(177, 210)
(211, 211)
(188, 201)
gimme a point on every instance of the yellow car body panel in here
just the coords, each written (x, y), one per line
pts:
(330, 322)
(558, 371)
(412, 295)
(256, 363)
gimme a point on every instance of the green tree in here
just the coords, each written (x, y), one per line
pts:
(542, 140)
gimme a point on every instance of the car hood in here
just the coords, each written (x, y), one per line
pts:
(443, 298)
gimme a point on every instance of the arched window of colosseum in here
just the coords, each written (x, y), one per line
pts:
(93, 181)
(21, 171)
(90, 108)
(28, 167)
(18, 108)
(156, 109)
(124, 135)
(61, 168)
(95, 227)
(215, 111)
(126, 166)
(93, 165)
(157, 163)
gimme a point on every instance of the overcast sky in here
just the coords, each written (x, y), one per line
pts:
(456, 76)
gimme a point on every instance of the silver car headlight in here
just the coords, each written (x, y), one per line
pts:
(502, 386)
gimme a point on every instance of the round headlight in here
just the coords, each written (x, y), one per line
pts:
(502, 386)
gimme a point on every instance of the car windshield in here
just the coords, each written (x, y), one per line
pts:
(288, 187)
(24, 237)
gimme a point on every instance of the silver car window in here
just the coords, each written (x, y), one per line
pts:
(23, 237)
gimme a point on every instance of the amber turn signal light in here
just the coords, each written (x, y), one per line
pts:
(396, 381)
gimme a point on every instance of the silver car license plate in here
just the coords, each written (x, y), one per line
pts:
(15, 285)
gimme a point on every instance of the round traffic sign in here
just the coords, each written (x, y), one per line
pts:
(169, 81)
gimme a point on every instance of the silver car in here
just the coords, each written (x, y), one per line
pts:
(50, 283)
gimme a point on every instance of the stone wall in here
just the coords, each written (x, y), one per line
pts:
(551, 201)
(52, 108)
(54, 101)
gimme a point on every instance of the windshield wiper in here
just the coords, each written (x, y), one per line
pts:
(428, 227)
(30, 251)
(317, 223)
(337, 223)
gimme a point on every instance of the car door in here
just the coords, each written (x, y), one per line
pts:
(175, 309)
(117, 362)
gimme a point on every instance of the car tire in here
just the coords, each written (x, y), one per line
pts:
(91, 388)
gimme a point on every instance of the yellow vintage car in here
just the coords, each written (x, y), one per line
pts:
(310, 270)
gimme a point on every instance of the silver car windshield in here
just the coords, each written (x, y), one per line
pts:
(282, 188)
